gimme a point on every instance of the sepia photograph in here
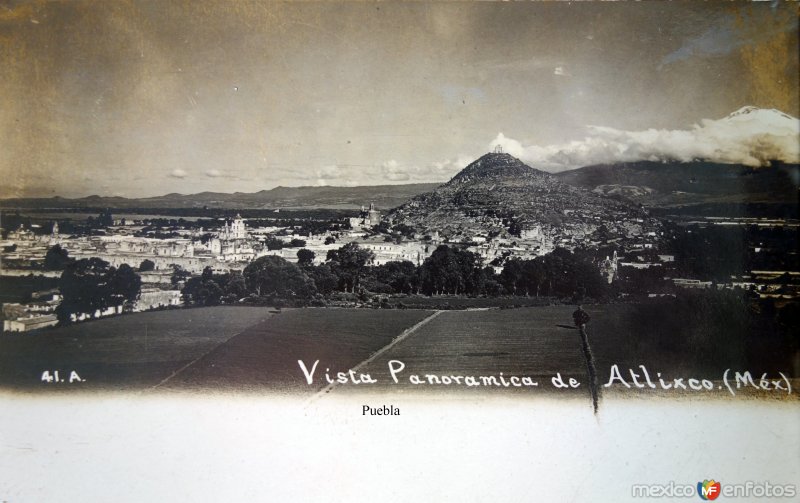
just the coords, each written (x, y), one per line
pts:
(399, 251)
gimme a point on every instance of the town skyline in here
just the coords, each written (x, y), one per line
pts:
(142, 99)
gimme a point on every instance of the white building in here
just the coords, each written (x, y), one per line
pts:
(392, 252)
(233, 243)
(153, 298)
(28, 324)
(366, 218)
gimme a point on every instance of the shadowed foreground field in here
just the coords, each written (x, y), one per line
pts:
(256, 349)
(125, 352)
(529, 342)
(264, 357)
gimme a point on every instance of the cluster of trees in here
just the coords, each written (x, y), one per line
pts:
(448, 271)
(273, 243)
(92, 226)
(92, 284)
(57, 259)
(561, 273)
(349, 263)
(314, 224)
(104, 219)
(89, 285)
(452, 271)
(266, 277)
(211, 289)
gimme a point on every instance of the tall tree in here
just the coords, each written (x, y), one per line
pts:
(202, 291)
(235, 286)
(324, 278)
(179, 275)
(56, 259)
(400, 276)
(124, 286)
(348, 262)
(452, 271)
(305, 257)
(105, 219)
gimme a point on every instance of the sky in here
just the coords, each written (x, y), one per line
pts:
(144, 98)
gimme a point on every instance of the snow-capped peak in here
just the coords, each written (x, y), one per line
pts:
(766, 116)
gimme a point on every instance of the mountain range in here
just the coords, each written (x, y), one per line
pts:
(384, 196)
(674, 184)
(659, 184)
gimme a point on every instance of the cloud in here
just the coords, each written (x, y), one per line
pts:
(178, 173)
(391, 170)
(560, 71)
(750, 136)
(728, 35)
(334, 175)
(388, 172)
(213, 173)
(450, 167)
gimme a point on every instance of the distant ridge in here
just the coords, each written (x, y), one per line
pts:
(678, 183)
(383, 196)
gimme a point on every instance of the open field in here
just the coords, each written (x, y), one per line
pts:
(264, 357)
(458, 302)
(533, 342)
(19, 288)
(125, 352)
(665, 338)
(257, 350)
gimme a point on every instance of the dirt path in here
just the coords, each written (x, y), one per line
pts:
(383, 350)
(264, 358)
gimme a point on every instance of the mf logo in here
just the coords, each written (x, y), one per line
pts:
(708, 489)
